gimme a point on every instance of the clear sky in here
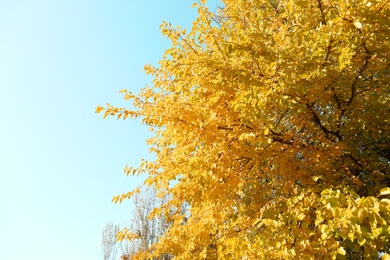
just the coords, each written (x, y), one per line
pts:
(60, 163)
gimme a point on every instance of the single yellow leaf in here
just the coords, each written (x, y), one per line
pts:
(386, 257)
(384, 191)
(316, 178)
(358, 25)
(194, 5)
(341, 251)
(361, 241)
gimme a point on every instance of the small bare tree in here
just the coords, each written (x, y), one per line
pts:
(148, 230)
(109, 245)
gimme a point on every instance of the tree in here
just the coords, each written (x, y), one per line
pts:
(145, 231)
(271, 120)
(109, 245)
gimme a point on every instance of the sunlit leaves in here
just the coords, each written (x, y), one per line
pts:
(126, 234)
(99, 109)
(127, 195)
(385, 257)
(385, 191)
(270, 119)
(358, 25)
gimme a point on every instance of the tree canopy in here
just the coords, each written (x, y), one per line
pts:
(271, 121)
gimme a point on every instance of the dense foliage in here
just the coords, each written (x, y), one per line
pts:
(271, 120)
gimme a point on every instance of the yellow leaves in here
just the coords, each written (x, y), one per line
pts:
(316, 178)
(385, 257)
(384, 191)
(194, 5)
(128, 195)
(332, 197)
(99, 109)
(258, 118)
(361, 241)
(356, 221)
(290, 6)
(376, 232)
(266, 131)
(149, 69)
(220, 252)
(246, 136)
(115, 199)
(345, 58)
(301, 216)
(270, 223)
(125, 234)
(384, 205)
(358, 25)
(351, 236)
(341, 251)
(127, 96)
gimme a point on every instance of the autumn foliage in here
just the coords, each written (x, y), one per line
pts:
(271, 120)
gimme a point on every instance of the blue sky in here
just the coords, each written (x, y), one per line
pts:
(60, 163)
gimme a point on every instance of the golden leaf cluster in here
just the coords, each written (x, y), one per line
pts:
(271, 121)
